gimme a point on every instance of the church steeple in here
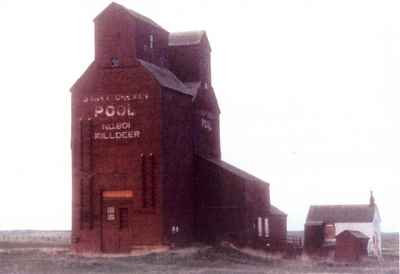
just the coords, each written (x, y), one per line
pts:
(371, 199)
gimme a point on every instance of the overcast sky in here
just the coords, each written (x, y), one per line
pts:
(309, 93)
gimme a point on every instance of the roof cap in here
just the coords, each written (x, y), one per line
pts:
(187, 38)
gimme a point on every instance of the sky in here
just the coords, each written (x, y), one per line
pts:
(309, 94)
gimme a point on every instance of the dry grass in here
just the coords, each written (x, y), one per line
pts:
(36, 256)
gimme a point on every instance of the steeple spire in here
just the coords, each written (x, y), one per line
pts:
(371, 199)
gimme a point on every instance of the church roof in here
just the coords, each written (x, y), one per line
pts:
(165, 77)
(186, 38)
(341, 213)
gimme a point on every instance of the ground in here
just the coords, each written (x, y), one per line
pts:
(43, 252)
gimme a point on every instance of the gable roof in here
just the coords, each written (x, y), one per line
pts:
(187, 38)
(165, 77)
(355, 233)
(341, 213)
(132, 13)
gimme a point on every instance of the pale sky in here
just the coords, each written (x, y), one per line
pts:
(309, 93)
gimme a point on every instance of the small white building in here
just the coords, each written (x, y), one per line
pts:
(333, 219)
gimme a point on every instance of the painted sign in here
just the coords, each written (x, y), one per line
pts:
(116, 130)
(107, 107)
(112, 194)
(205, 123)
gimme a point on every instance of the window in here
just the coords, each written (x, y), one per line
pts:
(110, 213)
(114, 62)
(175, 229)
(259, 226)
(266, 227)
(151, 41)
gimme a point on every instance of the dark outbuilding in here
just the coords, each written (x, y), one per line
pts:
(351, 245)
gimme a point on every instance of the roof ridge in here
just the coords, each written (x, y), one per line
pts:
(186, 38)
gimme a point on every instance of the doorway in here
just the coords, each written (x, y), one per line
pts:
(116, 227)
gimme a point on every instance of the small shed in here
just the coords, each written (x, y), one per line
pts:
(351, 245)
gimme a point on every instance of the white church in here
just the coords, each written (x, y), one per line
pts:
(335, 219)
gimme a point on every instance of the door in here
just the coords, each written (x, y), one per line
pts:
(116, 230)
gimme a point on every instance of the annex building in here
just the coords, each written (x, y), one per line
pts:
(146, 157)
(325, 223)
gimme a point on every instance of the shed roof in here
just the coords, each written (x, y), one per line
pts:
(276, 211)
(165, 77)
(186, 38)
(341, 213)
(355, 233)
(232, 169)
(193, 88)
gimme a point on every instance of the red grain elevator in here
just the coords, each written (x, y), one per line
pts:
(145, 129)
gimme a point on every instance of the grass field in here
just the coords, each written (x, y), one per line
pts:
(48, 252)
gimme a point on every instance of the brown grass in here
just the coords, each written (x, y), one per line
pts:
(36, 256)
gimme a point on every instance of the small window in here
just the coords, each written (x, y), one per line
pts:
(151, 41)
(266, 227)
(114, 62)
(175, 229)
(259, 226)
(110, 213)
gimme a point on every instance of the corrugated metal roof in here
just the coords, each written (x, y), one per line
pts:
(165, 77)
(355, 233)
(341, 213)
(185, 38)
(233, 169)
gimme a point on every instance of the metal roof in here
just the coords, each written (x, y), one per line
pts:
(186, 38)
(165, 77)
(341, 213)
